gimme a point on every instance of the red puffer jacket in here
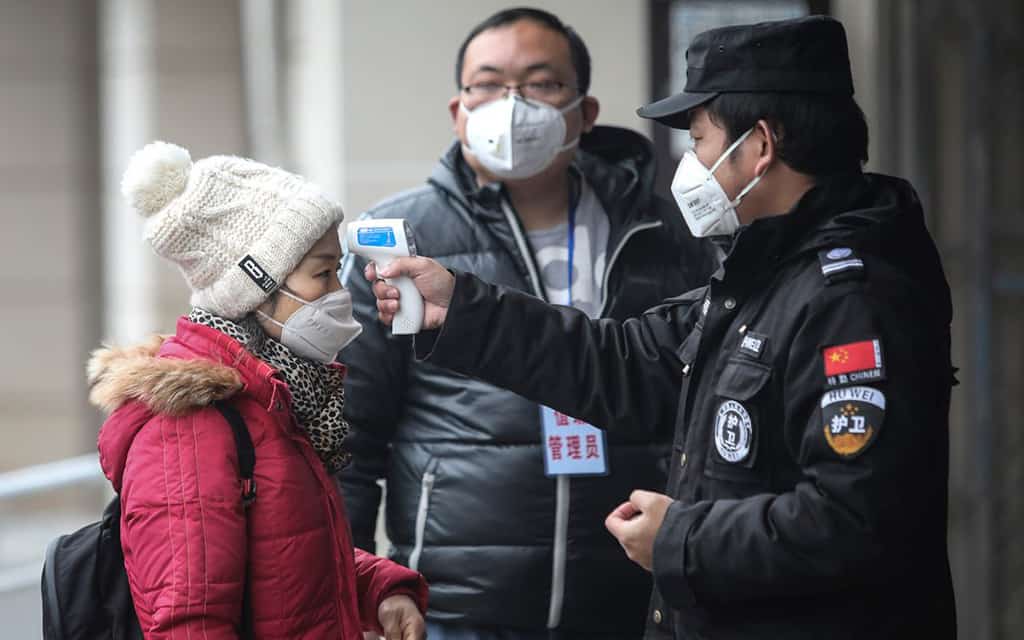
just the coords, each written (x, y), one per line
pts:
(188, 543)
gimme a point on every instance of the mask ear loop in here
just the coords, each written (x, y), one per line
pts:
(753, 183)
(572, 105)
(569, 107)
(290, 295)
(268, 318)
(729, 151)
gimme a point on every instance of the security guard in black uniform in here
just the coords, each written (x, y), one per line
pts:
(808, 384)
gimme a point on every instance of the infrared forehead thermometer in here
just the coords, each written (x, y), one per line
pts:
(381, 241)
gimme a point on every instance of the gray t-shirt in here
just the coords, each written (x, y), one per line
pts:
(551, 251)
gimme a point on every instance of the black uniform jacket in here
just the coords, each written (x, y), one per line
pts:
(808, 386)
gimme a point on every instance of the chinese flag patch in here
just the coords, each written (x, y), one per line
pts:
(855, 356)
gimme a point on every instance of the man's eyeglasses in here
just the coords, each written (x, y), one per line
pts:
(544, 90)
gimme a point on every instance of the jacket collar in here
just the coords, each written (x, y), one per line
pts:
(617, 163)
(178, 374)
(815, 220)
(259, 379)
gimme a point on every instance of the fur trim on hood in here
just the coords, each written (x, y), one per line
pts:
(169, 386)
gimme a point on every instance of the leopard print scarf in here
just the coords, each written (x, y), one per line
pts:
(318, 396)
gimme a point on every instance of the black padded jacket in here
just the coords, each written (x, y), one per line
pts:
(468, 503)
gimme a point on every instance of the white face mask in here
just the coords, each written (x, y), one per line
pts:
(516, 138)
(318, 330)
(706, 208)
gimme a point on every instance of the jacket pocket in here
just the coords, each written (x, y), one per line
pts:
(736, 426)
(422, 510)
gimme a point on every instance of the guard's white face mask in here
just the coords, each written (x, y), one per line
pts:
(516, 138)
(706, 208)
(318, 330)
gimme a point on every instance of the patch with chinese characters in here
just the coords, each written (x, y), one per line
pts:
(854, 362)
(752, 344)
(734, 432)
(852, 418)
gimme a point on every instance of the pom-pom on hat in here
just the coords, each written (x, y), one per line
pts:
(235, 228)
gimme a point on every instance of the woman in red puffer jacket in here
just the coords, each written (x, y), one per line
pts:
(259, 248)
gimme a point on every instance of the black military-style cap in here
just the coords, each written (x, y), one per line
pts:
(805, 55)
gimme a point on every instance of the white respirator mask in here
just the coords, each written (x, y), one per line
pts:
(705, 206)
(320, 329)
(516, 138)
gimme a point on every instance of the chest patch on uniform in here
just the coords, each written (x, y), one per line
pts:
(734, 431)
(753, 344)
(854, 362)
(852, 418)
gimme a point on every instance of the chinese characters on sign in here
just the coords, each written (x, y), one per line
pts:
(571, 446)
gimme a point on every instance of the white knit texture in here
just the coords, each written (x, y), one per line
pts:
(228, 208)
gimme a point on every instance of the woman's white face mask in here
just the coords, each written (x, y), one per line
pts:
(705, 206)
(319, 329)
(516, 138)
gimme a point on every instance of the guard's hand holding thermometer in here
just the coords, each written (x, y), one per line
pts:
(387, 243)
(433, 286)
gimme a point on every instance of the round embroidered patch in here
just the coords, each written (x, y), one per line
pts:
(839, 254)
(733, 431)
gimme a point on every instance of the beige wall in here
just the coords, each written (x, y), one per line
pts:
(47, 243)
(53, 183)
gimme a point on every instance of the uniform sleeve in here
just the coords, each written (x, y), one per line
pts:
(183, 528)
(374, 387)
(871, 449)
(621, 376)
(378, 579)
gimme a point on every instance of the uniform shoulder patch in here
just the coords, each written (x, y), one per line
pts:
(854, 362)
(852, 418)
(840, 263)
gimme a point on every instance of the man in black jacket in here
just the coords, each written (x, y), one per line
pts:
(809, 383)
(504, 546)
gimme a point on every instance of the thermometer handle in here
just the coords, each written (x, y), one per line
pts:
(409, 319)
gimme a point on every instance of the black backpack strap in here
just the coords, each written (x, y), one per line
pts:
(246, 467)
(246, 451)
(53, 624)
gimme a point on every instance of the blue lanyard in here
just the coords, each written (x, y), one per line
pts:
(573, 202)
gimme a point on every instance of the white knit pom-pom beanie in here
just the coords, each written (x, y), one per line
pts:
(236, 228)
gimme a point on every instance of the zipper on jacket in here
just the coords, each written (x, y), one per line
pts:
(562, 483)
(426, 487)
(615, 256)
(558, 554)
(524, 248)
